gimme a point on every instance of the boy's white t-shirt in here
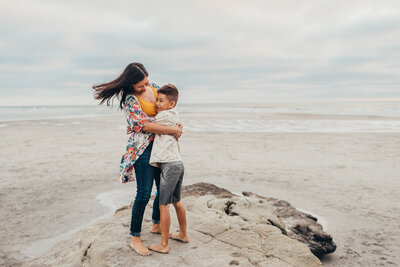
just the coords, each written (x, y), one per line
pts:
(165, 146)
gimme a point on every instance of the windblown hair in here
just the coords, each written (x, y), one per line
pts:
(170, 91)
(122, 86)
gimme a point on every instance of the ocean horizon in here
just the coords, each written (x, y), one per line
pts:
(357, 116)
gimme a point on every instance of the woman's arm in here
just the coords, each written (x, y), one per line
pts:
(139, 121)
(154, 128)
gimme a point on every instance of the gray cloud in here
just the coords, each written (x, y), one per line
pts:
(286, 50)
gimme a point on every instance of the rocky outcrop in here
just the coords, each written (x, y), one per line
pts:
(224, 229)
(298, 225)
(301, 226)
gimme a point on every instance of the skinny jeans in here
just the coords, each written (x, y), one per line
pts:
(145, 174)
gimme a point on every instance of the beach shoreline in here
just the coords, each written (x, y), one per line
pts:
(53, 170)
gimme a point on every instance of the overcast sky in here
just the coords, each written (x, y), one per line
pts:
(214, 51)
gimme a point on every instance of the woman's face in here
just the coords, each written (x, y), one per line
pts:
(141, 86)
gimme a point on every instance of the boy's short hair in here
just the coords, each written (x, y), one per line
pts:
(170, 91)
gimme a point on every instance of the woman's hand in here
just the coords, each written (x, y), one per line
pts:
(177, 130)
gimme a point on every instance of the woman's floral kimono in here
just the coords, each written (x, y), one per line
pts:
(138, 140)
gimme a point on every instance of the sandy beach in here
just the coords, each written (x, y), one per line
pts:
(60, 175)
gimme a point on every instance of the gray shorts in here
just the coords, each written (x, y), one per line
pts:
(170, 182)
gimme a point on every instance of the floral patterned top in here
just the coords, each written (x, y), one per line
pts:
(138, 141)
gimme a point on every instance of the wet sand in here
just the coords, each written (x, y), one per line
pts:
(60, 175)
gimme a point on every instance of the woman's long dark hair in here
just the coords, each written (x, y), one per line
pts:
(122, 86)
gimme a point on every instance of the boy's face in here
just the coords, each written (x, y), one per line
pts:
(163, 103)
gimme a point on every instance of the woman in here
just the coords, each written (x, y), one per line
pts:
(137, 98)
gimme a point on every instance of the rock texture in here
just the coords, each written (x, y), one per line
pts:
(224, 230)
(301, 226)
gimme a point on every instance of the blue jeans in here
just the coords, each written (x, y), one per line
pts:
(145, 174)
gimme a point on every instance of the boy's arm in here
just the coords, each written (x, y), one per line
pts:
(156, 128)
(159, 128)
(162, 124)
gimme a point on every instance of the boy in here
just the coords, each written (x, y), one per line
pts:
(165, 154)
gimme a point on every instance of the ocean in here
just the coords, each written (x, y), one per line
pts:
(19, 113)
(341, 117)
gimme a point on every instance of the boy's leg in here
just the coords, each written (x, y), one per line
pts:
(180, 209)
(162, 247)
(181, 214)
(165, 224)
(168, 180)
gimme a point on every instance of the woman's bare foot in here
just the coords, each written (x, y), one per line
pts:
(155, 228)
(138, 246)
(159, 248)
(180, 237)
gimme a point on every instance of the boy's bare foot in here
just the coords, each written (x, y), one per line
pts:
(159, 248)
(138, 246)
(155, 228)
(180, 237)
